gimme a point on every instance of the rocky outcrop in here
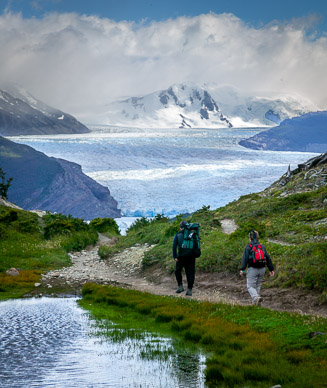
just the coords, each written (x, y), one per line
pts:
(22, 114)
(308, 176)
(306, 133)
(55, 185)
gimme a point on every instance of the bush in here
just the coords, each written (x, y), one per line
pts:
(59, 224)
(8, 216)
(105, 225)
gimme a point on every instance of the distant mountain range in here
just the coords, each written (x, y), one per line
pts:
(192, 106)
(56, 185)
(22, 114)
(305, 133)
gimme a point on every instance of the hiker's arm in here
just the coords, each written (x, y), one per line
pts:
(245, 259)
(269, 261)
(175, 247)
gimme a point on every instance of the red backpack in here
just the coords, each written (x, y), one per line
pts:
(258, 257)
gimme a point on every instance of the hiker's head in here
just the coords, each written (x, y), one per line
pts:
(182, 224)
(253, 235)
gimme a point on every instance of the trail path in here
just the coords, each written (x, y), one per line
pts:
(125, 269)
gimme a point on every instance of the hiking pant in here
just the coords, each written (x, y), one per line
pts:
(189, 264)
(254, 279)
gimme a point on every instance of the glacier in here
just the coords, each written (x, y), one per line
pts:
(169, 171)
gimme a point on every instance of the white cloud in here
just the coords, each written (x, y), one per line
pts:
(76, 62)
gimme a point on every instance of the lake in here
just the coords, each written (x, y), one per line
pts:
(52, 342)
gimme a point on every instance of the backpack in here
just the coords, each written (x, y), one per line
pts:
(257, 256)
(189, 241)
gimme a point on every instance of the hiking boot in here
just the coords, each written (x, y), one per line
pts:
(259, 301)
(180, 289)
(189, 292)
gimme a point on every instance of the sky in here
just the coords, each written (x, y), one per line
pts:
(78, 55)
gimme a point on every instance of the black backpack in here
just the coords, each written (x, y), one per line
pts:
(189, 241)
(257, 256)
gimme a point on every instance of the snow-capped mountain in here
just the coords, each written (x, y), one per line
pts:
(22, 114)
(193, 106)
(176, 107)
(259, 109)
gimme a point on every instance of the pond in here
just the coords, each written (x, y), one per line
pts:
(52, 342)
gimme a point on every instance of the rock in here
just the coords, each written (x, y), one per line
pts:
(315, 333)
(37, 284)
(12, 272)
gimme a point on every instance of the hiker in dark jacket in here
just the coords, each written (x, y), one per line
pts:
(256, 270)
(187, 262)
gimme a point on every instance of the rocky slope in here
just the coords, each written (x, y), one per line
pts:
(308, 176)
(305, 133)
(22, 114)
(56, 185)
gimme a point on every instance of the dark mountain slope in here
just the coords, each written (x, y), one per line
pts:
(304, 133)
(56, 185)
(24, 115)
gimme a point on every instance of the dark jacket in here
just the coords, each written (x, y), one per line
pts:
(246, 259)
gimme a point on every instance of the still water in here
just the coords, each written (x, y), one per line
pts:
(52, 342)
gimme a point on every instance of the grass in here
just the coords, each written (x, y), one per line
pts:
(34, 245)
(298, 220)
(246, 346)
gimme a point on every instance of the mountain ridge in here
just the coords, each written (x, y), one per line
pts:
(189, 105)
(22, 114)
(52, 184)
(307, 133)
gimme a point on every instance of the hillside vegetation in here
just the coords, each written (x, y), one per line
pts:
(34, 245)
(291, 217)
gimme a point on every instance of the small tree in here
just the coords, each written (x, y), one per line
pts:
(4, 185)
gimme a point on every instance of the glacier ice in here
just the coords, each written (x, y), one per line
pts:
(170, 171)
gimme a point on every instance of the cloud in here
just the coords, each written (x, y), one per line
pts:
(77, 62)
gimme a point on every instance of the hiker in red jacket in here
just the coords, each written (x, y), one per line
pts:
(256, 258)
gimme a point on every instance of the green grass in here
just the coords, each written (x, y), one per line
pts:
(246, 346)
(298, 219)
(34, 245)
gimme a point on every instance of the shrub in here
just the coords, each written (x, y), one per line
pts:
(138, 224)
(105, 225)
(4, 184)
(8, 216)
(59, 224)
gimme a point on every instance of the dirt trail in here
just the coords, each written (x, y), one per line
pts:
(125, 269)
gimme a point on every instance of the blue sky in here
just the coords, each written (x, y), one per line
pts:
(255, 12)
(80, 55)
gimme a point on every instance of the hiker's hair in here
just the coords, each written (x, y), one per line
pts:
(253, 235)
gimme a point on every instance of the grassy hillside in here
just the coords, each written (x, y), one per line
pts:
(291, 217)
(34, 245)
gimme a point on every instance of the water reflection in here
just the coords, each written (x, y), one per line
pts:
(53, 343)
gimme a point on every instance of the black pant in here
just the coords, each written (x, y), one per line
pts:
(189, 264)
